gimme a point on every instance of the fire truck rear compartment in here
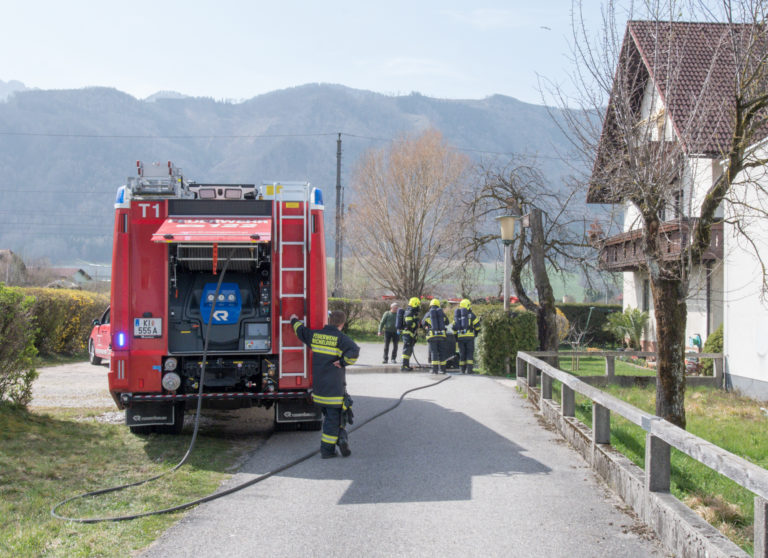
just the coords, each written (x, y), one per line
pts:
(240, 341)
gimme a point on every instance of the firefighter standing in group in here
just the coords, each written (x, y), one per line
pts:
(410, 324)
(466, 326)
(435, 322)
(332, 351)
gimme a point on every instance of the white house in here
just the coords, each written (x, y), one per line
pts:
(745, 340)
(727, 287)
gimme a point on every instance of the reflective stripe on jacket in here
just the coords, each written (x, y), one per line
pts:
(328, 346)
(411, 320)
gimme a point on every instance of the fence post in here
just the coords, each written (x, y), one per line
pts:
(761, 528)
(531, 375)
(546, 386)
(718, 362)
(657, 464)
(569, 406)
(601, 424)
(610, 366)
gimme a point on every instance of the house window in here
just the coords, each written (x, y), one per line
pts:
(646, 302)
(677, 204)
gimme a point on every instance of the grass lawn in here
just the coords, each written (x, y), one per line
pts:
(732, 422)
(47, 456)
(595, 366)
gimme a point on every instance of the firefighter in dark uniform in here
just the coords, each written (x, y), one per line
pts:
(408, 333)
(466, 325)
(435, 322)
(332, 351)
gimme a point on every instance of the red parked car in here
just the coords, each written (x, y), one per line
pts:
(100, 342)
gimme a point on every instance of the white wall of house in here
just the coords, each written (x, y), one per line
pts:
(653, 113)
(745, 329)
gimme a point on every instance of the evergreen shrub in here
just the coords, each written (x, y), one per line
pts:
(713, 344)
(17, 349)
(502, 335)
(64, 318)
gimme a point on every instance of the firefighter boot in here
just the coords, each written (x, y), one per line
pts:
(469, 369)
(442, 369)
(463, 369)
(405, 365)
(327, 451)
(344, 443)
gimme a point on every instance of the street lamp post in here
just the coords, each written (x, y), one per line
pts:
(507, 223)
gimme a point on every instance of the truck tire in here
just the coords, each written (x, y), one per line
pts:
(178, 421)
(311, 426)
(92, 358)
(141, 430)
(308, 426)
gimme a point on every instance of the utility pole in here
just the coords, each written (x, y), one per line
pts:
(338, 253)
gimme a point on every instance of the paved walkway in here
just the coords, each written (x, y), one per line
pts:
(460, 469)
(371, 356)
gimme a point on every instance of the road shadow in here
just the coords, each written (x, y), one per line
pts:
(420, 452)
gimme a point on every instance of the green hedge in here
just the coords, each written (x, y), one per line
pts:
(577, 315)
(17, 349)
(502, 335)
(64, 318)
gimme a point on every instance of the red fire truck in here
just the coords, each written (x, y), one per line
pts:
(173, 240)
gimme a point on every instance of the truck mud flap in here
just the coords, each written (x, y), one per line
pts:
(297, 410)
(149, 414)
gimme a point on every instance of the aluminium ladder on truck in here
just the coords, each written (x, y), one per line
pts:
(292, 201)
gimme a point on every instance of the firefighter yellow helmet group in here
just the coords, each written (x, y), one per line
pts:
(436, 323)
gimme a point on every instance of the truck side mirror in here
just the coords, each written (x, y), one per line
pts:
(96, 322)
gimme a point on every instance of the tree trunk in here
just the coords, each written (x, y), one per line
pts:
(547, 312)
(670, 309)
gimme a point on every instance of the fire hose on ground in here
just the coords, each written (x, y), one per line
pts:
(217, 495)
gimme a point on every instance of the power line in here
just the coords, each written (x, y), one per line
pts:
(265, 136)
(149, 136)
(471, 150)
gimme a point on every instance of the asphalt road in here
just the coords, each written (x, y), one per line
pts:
(460, 469)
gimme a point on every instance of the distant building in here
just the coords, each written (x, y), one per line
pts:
(70, 274)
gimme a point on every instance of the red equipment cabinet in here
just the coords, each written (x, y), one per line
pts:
(173, 240)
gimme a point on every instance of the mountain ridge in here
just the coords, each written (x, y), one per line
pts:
(63, 153)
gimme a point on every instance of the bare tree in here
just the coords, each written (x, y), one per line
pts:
(551, 239)
(404, 212)
(684, 101)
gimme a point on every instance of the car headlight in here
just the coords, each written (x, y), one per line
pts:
(171, 381)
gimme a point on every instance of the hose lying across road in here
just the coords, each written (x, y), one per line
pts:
(192, 445)
(218, 494)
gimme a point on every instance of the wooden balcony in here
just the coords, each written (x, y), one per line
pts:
(624, 252)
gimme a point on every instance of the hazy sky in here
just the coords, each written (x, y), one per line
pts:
(236, 49)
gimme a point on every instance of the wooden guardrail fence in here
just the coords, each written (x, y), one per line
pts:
(661, 435)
